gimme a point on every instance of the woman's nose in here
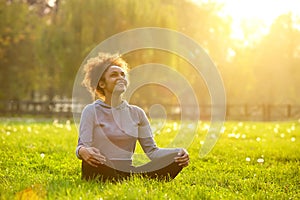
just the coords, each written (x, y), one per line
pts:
(122, 78)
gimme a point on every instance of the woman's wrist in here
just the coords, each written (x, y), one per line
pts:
(79, 149)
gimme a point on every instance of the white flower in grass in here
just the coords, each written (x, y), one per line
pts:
(282, 135)
(29, 129)
(205, 127)
(231, 135)
(293, 139)
(175, 126)
(260, 160)
(223, 129)
(42, 155)
(248, 159)
(293, 127)
(68, 127)
(201, 142)
(258, 139)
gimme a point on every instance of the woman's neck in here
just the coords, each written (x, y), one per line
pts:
(113, 101)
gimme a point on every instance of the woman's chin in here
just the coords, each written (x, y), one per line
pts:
(119, 89)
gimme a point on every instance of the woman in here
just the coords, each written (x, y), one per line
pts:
(110, 127)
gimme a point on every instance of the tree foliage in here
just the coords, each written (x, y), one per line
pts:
(42, 47)
(17, 59)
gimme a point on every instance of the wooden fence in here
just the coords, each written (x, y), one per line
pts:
(36, 108)
(233, 112)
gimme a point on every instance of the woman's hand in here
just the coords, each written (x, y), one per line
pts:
(183, 158)
(92, 156)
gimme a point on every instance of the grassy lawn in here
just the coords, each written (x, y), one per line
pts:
(251, 160)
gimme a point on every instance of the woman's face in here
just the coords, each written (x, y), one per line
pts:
(114, 81)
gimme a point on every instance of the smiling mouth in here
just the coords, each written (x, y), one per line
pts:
(121, 83)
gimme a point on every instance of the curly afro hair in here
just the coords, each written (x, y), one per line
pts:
(95, 69)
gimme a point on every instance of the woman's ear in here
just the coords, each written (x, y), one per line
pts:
(101, 84)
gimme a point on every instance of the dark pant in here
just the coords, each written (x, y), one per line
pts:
(104, 172)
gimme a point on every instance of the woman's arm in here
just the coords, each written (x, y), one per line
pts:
(84, 149)
(150, 148)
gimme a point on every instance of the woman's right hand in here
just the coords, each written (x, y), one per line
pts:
(92, 156)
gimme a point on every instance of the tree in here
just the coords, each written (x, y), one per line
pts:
(58, 40)
(278, 63)
(17, 60)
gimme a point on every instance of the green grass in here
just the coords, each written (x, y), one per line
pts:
(37, 161)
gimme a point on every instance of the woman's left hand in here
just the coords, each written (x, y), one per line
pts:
(183, 158)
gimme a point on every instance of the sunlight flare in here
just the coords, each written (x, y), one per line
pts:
(250, 20)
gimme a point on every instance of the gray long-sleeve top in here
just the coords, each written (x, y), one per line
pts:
(115, 130)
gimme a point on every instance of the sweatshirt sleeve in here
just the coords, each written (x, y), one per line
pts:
(86, 128)
(147, 141)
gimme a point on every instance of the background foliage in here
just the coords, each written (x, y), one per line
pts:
(43, 45)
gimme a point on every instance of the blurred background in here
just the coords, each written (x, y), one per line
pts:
(254, 44)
